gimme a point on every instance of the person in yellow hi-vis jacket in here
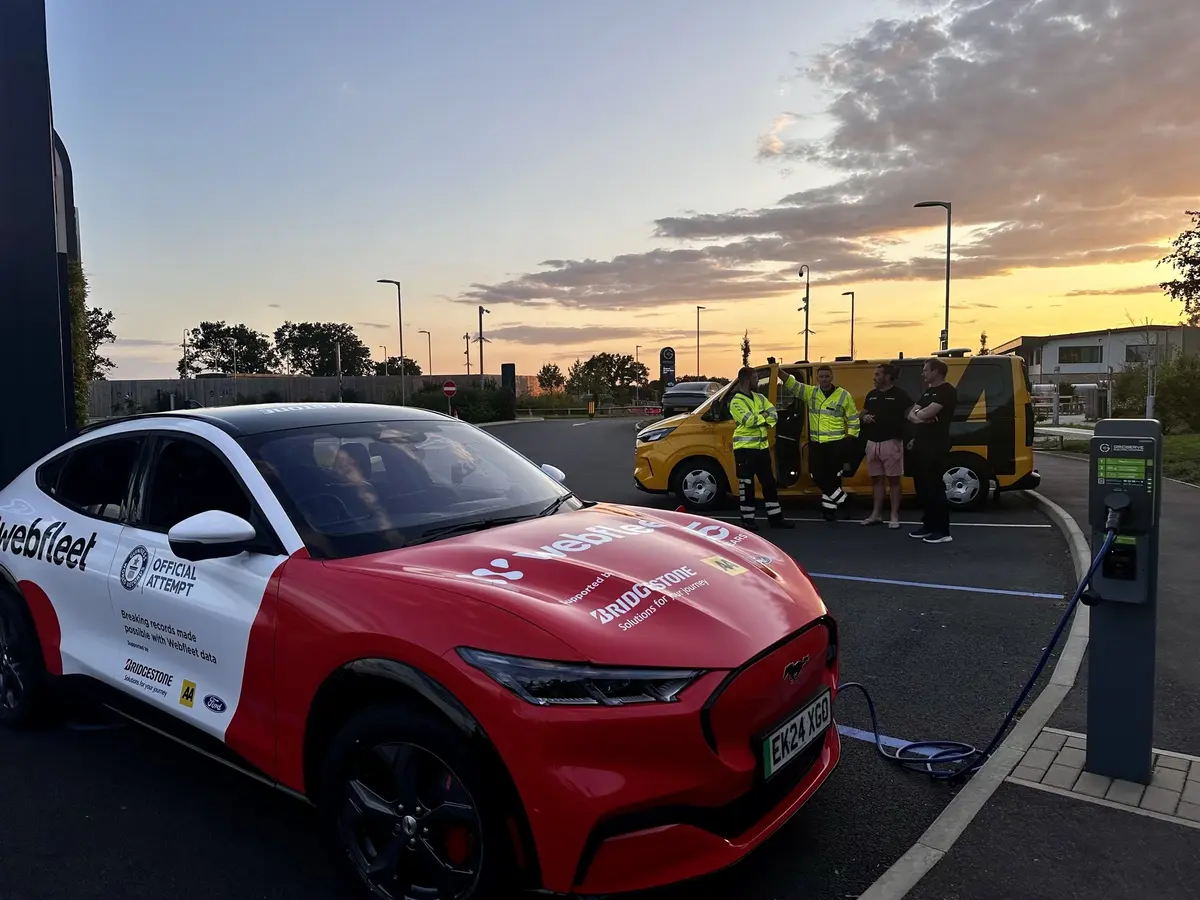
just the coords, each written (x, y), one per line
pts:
(753, 415)
(832, 417)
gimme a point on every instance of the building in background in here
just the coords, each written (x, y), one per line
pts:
(1091, 357)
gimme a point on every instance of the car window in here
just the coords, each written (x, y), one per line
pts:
(94, 477)
(188, 478)
(365, 487)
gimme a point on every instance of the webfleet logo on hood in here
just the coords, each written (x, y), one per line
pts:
(580, 541)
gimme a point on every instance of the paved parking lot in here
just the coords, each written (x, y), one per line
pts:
(943, 636)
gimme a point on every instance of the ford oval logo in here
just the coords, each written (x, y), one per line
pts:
(215, 703)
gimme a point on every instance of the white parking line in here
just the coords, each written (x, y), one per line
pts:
(735, 520)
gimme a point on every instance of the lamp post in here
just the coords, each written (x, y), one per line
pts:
(429, 344)
(400, 314)
(383, 347)
(850, 294)
(637, 357)
(467, 352)
(806, 274)
(698, 308)
(945, 205)
(481, 312)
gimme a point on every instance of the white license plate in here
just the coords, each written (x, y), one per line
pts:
(787, 741)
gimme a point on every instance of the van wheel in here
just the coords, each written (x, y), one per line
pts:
(968, 482)
(700, 484)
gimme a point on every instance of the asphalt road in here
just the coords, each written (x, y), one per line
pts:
(104, 812)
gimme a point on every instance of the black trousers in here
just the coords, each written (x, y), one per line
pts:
(929, 470)
(825, 465)
(753, 464)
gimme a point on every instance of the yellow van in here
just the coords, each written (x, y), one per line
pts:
(691, 455)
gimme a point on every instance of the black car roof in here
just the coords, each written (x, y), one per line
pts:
(262, 418)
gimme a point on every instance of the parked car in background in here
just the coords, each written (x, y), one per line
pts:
(687, 395)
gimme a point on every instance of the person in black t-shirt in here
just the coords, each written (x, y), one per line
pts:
(883, 427)
(931, 418)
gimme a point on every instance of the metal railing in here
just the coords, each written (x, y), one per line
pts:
(527, 412)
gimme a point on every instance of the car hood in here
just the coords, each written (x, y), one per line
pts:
(669, 422)
(624, 585)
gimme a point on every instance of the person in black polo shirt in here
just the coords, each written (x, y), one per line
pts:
(931, 418)
(883, 421)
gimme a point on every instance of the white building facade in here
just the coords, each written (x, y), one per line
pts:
(1092, 357)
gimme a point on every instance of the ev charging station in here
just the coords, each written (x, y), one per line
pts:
(1124, 495)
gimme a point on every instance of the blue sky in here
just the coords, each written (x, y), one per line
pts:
(256, 161)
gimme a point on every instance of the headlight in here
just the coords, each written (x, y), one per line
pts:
(545, 683)
(654, 434)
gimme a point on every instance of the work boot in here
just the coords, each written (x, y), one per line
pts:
(750, 524)
(780, 522)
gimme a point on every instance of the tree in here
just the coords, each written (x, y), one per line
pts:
(91, 328)
(310, 348)
(99, 331)
(606, 373)
(746, 347)
(392, 366)
(550, 378)
(218, 347)
(1185, 259)
(983, 347)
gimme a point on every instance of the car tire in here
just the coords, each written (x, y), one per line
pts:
(23, 677)
(968, 482)
(369, 813)
(699, 484)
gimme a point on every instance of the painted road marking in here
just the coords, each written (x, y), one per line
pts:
(894, 743)
(966, 589)
(735, 520)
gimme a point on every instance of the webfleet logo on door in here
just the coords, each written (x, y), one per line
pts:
(50, 543)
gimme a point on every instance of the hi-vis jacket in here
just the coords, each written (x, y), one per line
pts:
(753, 414)
(831, 418)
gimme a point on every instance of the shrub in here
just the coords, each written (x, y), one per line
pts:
(473, 404)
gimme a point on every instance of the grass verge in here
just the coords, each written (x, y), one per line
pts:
(1181, 455)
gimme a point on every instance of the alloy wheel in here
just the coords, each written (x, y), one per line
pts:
(12, 685)
(410, 825)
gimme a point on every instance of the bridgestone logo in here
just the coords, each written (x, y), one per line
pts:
(158, 676)
(633, 597)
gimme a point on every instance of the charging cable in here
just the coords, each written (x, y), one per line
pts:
(956, 761)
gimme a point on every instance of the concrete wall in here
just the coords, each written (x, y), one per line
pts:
(107, 398)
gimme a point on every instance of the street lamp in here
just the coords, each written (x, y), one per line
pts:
(945, 205)
(698, 308)
(429, 342)
(383, 347)
(850, 294)
(400, 313)
(806, 274)
(637, 358)
(481, 312)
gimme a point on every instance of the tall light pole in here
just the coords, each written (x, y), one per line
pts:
(400, 314)
(805, 273)
(850, 294)
(698, 308)
(429, 343)
(467, 352)
(383, 347)
(637, 358)
(481, 312)
(945, 205)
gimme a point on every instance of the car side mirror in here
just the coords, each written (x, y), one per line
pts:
(554, 472)
(210, 535)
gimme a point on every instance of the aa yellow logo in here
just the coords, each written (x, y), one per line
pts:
(728, 566)
(187, 696)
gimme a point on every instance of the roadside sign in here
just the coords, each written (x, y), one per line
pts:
(449, 389)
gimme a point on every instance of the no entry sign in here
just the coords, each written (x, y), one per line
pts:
(449, 389)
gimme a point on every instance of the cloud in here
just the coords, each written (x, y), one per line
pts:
(1117, 292)
(127, 343)
(274, 306)
(581, 335)
(372, 325)
(891, 323)
(1063, 131)
(771, 144)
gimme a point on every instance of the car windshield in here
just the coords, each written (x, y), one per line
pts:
(366, 487)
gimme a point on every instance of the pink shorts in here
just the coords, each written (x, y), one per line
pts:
(885, 458)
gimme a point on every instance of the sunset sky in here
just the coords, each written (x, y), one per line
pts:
(590, 172)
